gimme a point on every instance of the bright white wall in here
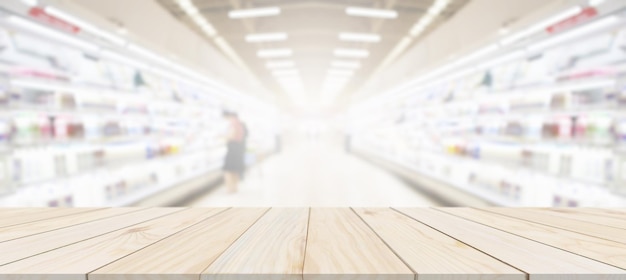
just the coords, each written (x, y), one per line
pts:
(474, 26)
(153, 27)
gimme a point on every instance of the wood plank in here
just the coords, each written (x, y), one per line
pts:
(432, 254)
(186, 254)
(540, 261)
(610, 252)
(16, 216)
(597, 230)
(28, 229)
(273, 248)
(582, 215)
(74, 261)
(21, 248)
(617, 213)
(341, 246)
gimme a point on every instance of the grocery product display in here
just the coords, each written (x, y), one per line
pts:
(82, 129)
(528, 127)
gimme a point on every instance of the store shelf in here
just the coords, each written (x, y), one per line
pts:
(440, 182)
(532, 125)
(153, 190)
(295, 243)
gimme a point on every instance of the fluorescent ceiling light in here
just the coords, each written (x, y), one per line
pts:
(188, 6)
(250, 13)
(421, 25)
(581, 31)
(30, 3)
(542, 25)
(266, 37)
(56, 35)
(417, 29)
(369, 12)
(594, 3)
(228, 50)
(86, 26)
(346, 64)
(359, 37)
(438, 7)
(192, 11)
(356, 53)
(209, 29)
(274, 53)
(279, 64)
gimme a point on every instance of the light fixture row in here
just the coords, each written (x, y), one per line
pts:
(344, 69)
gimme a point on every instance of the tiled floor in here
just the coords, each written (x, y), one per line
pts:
(317, 174)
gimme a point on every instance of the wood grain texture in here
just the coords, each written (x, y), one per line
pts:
(32, 228)
(540, 261)
(581, 215)
(606, 251)
(185, 255)
(318, 243)
(74, 261)
(593, 229)
(21, 248)
(16, 216)
(432, 254)
(273, 248)
(341, 246)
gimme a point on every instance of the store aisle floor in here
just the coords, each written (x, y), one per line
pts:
(316, 175)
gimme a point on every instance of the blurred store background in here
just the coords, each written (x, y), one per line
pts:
(345, 102)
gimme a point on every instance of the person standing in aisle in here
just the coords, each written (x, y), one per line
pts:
(234, 163)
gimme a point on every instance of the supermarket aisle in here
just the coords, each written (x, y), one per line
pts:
(317, 174)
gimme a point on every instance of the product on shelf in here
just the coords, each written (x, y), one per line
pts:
(81, 130)
(547, 129)
(5, 178)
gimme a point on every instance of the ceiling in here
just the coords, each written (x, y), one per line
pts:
(313, 28)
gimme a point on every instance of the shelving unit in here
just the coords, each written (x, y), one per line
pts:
(527, 127)
(83, 128)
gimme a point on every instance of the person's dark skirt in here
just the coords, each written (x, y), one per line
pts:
(234, 161)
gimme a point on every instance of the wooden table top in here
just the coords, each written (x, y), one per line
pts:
(312, 243)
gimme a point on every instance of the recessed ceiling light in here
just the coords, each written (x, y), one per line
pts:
(359, 37)
(250, 13)
(356, 53)
(369, 12)
(274, 53)
(266, 37)
(278, 64)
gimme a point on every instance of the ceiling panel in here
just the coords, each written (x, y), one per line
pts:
(313, 28)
